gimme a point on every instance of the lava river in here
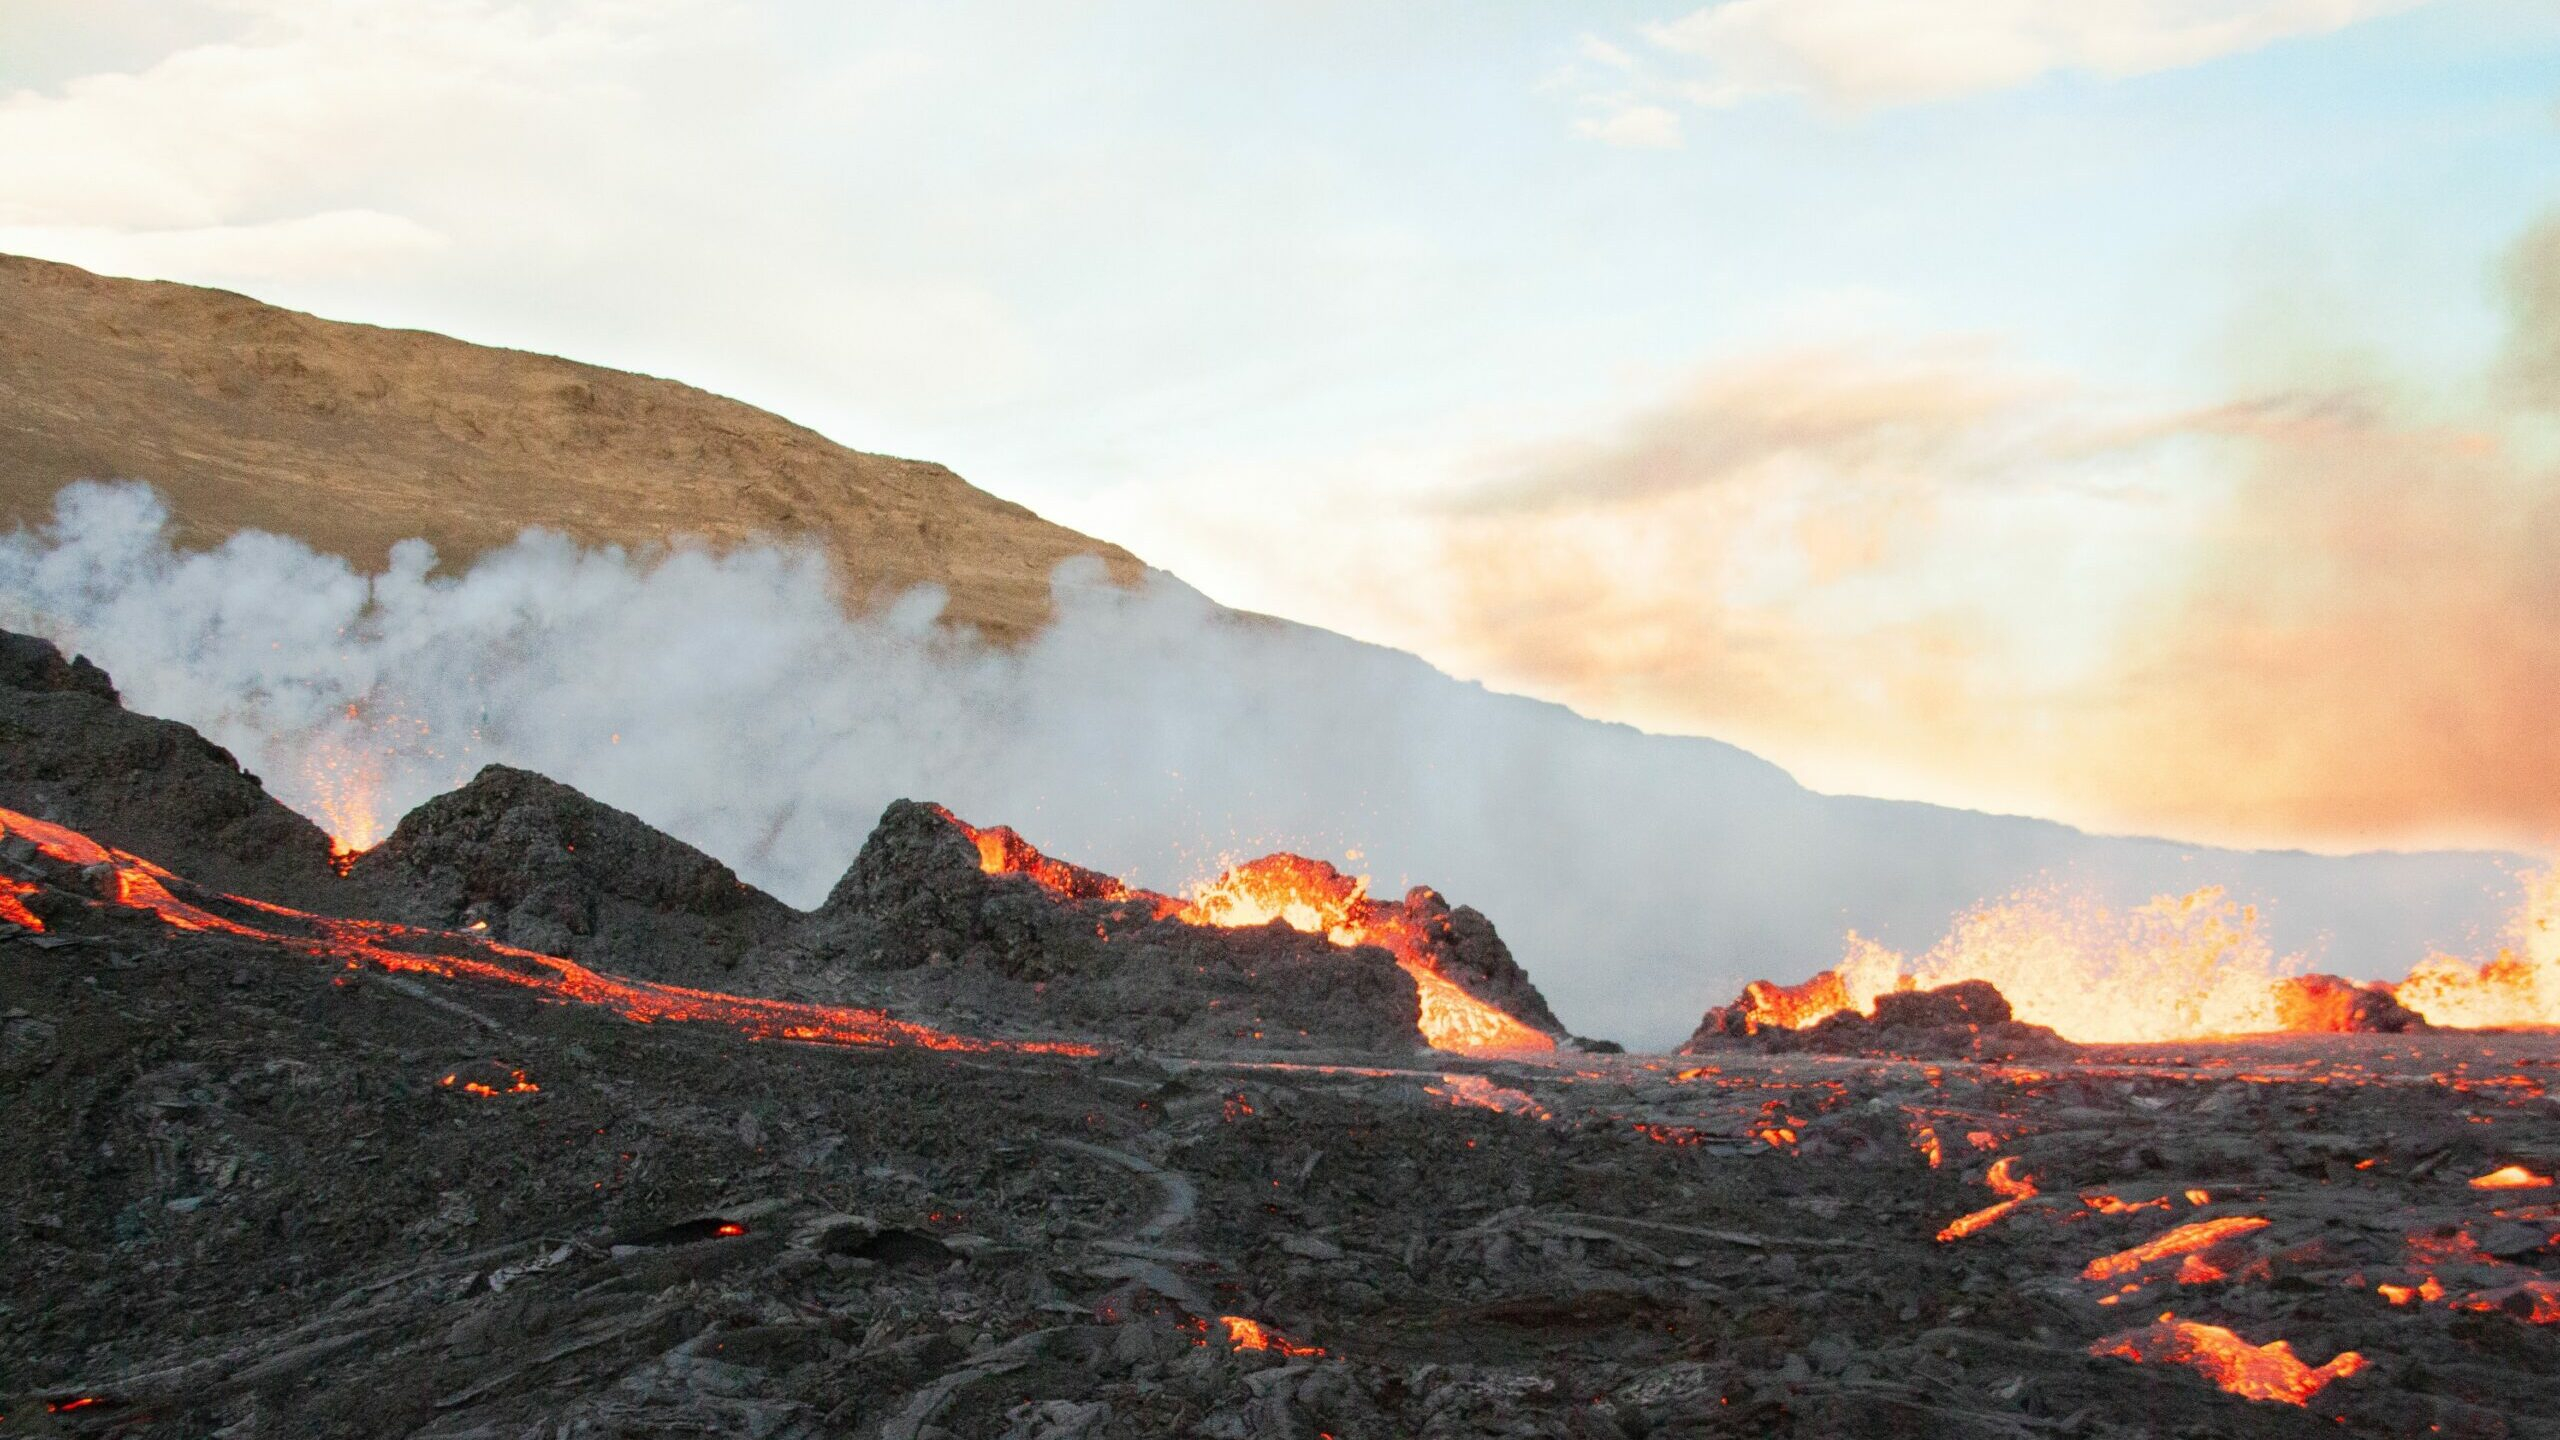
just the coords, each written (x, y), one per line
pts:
(141, 885)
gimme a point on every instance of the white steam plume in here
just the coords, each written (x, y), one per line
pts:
(729, 700)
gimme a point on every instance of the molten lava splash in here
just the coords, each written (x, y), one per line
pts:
(342, 773)
(1314, 897)
(2256, 1372)
(406, 949)
(2518, 986)
(2178, 968)
(2004, 1180)
(2184, 1240)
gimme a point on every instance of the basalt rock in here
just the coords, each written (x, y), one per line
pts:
(1969, 1020)
(919, 919)
(71, 753)
(543, 866)
(2334, 1005)
(1465, 947)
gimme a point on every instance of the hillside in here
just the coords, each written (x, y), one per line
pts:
(353, 438)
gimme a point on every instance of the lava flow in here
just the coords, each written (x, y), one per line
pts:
(1304, 894)
(142, 885)
(2004, 1179)
(2254, 1372)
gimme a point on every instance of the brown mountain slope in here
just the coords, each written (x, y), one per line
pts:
(350, 437)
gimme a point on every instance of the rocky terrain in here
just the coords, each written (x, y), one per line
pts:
(274, 1173)
(353, 438)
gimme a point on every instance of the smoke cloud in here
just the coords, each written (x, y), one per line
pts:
(729, 699)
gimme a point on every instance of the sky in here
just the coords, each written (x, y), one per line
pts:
(2138, 412)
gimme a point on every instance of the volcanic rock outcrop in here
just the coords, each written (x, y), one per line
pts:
(919, 919)
(70, 752)
(538, 864)
(917, 923)
(2331, 1004)
(1969, 1020)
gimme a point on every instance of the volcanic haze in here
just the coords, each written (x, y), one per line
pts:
(729, 695)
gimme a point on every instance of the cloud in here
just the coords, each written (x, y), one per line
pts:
(2324, 615)
(1864, 53)
(1850, 414)
(1633, 127)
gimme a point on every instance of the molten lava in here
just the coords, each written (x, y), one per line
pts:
(2179, 968)
(2511, 1177)
(2255, 1372)
(1003, 851)
(1482, 1094)
(1244, 1334)
(13, 905)
(2184, 1240)
(409, 950)
(1314, 897)
(342, 772)
(2005, 1181)
(1306, 895)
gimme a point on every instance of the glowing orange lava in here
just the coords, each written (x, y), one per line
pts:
(2005, 1181)
(143, 885)
(1244, 1334)
(2535, 1301)
(13, 905)
(1314, 897)
(516, 1084)
(342, 771)
(2254, 1372)
(1003, 851)
(2511, 1177)
(2178, 968)
(1483, 1094)
(1306, 895)
(2184, 1240)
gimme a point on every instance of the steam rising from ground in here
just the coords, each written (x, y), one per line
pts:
(729, 700)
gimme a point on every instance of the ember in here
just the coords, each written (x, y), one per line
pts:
(2254, 1372)
(1244, 1334)
(512, 1083)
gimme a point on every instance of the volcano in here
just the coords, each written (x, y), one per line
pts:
(992, 1143)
